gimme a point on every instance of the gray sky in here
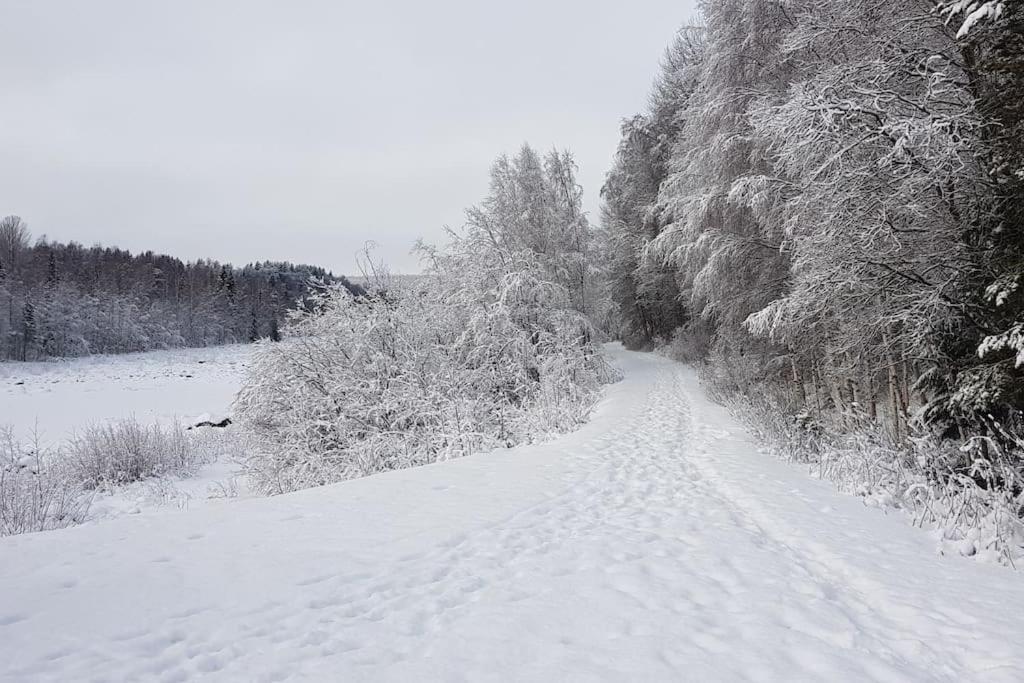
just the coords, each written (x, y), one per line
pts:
(252, 130)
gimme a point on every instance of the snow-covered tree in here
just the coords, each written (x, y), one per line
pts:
(489, 348)
(644, 291)
(535, 206)
(841, 213)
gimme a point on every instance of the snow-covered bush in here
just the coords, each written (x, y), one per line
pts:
(117, 453)
(972, 494)
(403, 378)
(490, 348)
(37, 491)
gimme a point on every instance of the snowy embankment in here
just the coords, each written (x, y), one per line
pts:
(655, 543)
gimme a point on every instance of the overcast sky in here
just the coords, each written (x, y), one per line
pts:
(250, 130)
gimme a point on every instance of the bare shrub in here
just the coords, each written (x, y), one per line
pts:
(122, 452)
(37, 493)
(50, 489)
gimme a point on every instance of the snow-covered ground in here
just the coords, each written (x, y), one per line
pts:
(655, 543)
(59, 397)
(54, 400)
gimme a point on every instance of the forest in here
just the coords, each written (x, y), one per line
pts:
(822, 207)
(66, 300)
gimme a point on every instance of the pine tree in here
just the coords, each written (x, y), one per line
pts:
(28, 329)
(51, 271)
(254, 327)
(226, 282)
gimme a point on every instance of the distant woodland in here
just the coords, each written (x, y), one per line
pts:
(62, 300)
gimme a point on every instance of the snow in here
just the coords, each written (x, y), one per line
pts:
(655, 543)
(60, 397)
(976, 12)
(218, 482)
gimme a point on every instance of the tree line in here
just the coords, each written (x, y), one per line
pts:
(61, 300)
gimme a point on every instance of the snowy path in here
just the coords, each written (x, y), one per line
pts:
(654, 544)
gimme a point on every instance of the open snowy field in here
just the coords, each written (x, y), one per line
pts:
(55, 400)
(655, 543)
(59, 397)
